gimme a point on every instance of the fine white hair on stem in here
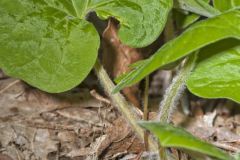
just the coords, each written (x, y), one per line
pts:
(175, 90)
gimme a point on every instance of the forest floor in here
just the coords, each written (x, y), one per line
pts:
(84, 124)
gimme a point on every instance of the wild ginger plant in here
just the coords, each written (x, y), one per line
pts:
(51, 45)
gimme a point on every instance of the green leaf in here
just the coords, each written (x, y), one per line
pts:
(61, 5)
(217, 72)
(201, 34)
(170, 136)
(142, 21)
(225, 5)
(199, 7)
(48, 44)
(81, 7)
(185, 19)
(44, 45)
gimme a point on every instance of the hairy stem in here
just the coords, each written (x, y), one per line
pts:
(168, 35)
(175, 90)
(177, 87)
(127, 110)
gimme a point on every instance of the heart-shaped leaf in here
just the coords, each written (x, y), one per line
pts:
(48, 44)
(44, 45)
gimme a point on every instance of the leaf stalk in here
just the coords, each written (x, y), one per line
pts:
(126, 109)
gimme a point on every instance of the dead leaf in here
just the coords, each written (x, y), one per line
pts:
(117, 57)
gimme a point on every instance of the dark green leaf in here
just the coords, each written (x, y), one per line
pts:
(48, 44)
(141, 21)
(170, 136)
(198, 36)
(184, 20)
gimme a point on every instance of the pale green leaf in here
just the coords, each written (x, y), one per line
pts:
(217, 73)
(43, 44)
(199, 7)
(170, 136)
(201, 34)
(184, 19)
(224, 5)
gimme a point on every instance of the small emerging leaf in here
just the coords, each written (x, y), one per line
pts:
(170, 136)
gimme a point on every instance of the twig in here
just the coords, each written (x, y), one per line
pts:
(99, 97)
(33, 139)
(226, 147)
(127, 110)
(145, 111)
(9, 86)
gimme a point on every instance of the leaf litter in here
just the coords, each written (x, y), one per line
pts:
(73, 125)
(83, 124)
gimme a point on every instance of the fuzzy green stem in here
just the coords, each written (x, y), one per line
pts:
(177, 87)
(123, 106)
(175, 90)
(168, 35)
